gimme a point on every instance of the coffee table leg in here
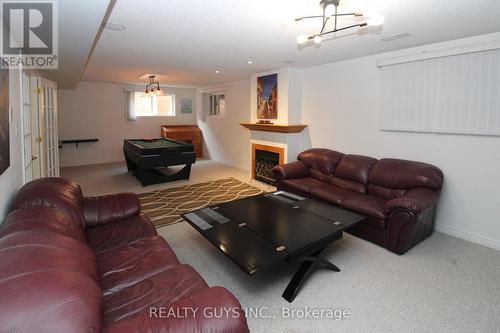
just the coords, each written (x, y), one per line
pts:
(309, 263)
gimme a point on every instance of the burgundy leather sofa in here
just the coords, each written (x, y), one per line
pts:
(398, 197)
(75, 264)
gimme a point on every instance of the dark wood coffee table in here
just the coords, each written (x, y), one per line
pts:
(259, 232)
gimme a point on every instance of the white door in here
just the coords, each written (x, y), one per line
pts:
(47, 102)
(36, 143)
(27, 129)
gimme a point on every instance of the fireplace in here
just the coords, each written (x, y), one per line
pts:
(264, 158)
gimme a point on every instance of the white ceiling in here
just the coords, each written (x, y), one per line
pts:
(79, 23)
(187, 40)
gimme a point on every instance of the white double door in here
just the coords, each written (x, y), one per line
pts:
(39, 128)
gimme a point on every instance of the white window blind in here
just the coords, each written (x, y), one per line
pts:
(450, 94)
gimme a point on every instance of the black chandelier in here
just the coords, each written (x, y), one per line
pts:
(330, 11)
(153, 87)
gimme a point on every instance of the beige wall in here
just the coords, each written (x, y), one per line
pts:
(225, 139)
(97, 110)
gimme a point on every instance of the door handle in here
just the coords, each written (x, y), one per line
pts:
(33, 158)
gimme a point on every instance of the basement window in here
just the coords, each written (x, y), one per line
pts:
(214, 104)
(154, 106)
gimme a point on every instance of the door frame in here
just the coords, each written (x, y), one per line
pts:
(27, 127)
(42, 83)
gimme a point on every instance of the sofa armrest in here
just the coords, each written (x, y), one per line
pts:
(211, 310)
(292, 170)
(415, 201)
(110, 208)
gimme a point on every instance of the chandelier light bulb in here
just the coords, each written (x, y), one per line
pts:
(318, 39)
(329, 10)
(302, 39)
(158, 92)
(370, 12)
(376, 20)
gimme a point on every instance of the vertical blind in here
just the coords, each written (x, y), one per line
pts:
(451, 94)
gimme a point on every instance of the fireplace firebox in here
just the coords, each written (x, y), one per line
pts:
(264, 158)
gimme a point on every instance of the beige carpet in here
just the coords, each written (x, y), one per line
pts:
(164, 207)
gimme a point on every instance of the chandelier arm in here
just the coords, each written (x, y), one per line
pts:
(324, 18)
(324, 24)
(336, 12)
(360, 25)
(320, 16)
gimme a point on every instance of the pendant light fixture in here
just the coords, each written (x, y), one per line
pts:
(153, 87)
(330, 12)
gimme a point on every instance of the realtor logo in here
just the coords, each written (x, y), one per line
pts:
(29, 34)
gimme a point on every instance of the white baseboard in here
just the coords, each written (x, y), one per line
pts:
(469, 236)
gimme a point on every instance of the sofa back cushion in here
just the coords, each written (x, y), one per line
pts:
(352, 173)
(321, 162)
(59, 193)
(391, 178)
(43, 220)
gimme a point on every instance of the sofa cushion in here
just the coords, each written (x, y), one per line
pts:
(355, 168)
(303, 184)
(42, 219)
(50, 301)
(320, 175)
(332, 194)
(18, 258)
(348, 185)
(367, 205)
(109, 236)
(59, 193)
(402, 174)
(157, 290)
(385, 192)
(129, 264)
(322, 160)
(216, 299)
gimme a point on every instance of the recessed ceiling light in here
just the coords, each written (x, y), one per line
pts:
(394, 37)
(217, 71)
(114, 27)
(249, 62)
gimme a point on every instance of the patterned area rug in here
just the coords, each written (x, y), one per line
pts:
(164, 207)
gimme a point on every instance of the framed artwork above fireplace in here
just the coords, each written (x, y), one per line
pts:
(267, 97)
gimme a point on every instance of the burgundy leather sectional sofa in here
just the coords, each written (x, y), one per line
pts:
(398, 197)
(75, 264)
